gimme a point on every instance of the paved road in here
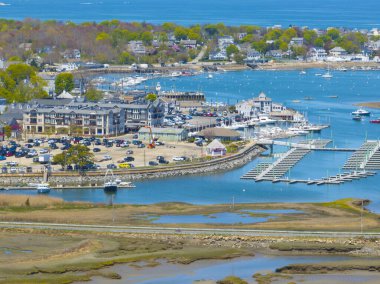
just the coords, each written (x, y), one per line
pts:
(200, 55)
(185, 231)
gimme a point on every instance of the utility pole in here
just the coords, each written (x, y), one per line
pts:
(361, 219)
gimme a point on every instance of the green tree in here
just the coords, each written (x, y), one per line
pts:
(333, 33)
(310, 36)
(180, 33)
(8, 131)
(151, 97)
(64, 82)
(79, 155)
(19, 72)
(126, 58)
(261, 46)
(61, 159)
(93, 95)
(147, 38)
(232, 49)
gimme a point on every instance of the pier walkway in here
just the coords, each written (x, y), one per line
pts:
(366, 157)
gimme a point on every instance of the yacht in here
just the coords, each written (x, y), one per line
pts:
(266, 120)
(361, 111)
(43, 188)
(110, 184)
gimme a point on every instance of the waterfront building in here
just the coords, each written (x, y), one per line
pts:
(337, 51)
(183, 96)
(81, 121)
(215, 148)
(317, 54)
(163, 134)
(222, 134)
(218, 55)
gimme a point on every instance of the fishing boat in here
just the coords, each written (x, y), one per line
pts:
(361, 111)
(357, 117)
(375, 121)
(110, 184)
(43, 188)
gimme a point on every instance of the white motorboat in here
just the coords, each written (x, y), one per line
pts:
(110, 184)
(126, 184)
(209, 76)
(302, 72)
(361, 111)
(266, 120)
(43, 188)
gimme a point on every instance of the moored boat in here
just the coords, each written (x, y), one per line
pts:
(43, 188)
(375, 121)
(357, 117)
(361, 111)
(110, 184)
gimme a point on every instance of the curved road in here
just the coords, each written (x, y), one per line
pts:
(185, 231)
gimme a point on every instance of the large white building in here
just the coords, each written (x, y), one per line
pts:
(259, 105)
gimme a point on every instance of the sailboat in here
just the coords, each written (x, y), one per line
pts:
(327, 75)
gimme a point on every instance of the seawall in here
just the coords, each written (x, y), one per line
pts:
(67, 179)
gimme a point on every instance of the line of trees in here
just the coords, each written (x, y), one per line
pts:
(106, 42)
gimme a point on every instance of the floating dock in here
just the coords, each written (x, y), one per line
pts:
(366, 157)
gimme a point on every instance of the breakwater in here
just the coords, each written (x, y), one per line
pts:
(71, 179)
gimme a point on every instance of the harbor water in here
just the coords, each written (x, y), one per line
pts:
(287, 87)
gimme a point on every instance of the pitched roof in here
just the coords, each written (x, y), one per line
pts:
(215, 144)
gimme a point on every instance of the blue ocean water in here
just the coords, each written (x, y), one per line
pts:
(313, 13)
(283, 86)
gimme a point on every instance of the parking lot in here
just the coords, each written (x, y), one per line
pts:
(121, 152)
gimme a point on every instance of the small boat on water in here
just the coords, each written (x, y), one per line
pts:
(327, 75)
(43, 188)
(308, 98)
(377, 121)
(361, 111)
(126, 184)
(357, 117)
(333, 97)
(110, 184)
(209, 76)
(303, 72)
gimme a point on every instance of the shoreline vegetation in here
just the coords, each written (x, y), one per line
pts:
(48, 256)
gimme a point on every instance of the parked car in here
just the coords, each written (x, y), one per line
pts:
(3, 158)
(180, 158)
(129, 159)
(141, 146)
(96, 150)
(153, 163)
(44, 151)
(111, 166)
(129, 152)
(107, 158)
(160, 158)
(163, 161)
(124, 166)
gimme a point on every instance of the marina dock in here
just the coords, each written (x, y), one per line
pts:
(367, 157)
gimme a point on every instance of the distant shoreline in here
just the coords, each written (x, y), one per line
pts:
(369, 104)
